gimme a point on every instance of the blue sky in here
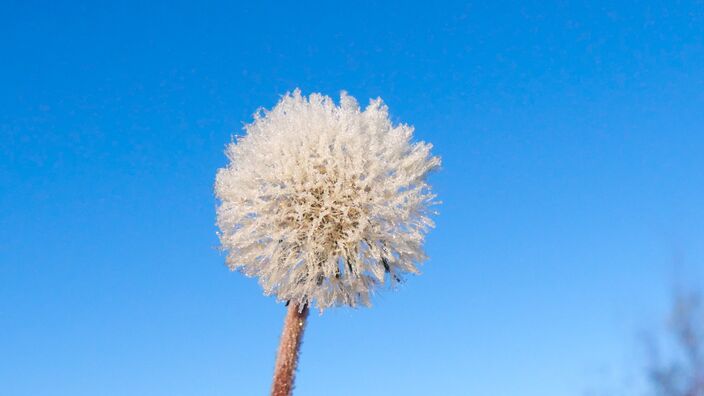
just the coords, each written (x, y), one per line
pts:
(572, 138)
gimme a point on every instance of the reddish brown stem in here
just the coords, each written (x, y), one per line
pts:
(287, 357)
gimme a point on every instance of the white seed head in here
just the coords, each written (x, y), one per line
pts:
(323, 202)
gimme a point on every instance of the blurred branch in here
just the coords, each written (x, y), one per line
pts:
(684, 374)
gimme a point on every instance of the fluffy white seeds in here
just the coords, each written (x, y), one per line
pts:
(323, 203)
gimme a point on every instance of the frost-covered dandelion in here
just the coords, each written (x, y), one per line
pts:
(323, 203)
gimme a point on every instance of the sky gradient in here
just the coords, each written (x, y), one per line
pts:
(572, 139)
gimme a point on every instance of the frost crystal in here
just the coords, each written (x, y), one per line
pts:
(324, 203)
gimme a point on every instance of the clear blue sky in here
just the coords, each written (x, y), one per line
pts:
(572, 139)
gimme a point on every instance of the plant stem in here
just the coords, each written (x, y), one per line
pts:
(287, 357)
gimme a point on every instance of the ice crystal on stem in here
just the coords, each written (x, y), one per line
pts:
(323, 203)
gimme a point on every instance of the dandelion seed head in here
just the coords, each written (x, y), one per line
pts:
(324, 202)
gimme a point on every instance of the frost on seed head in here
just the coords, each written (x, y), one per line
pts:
(323, 203)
